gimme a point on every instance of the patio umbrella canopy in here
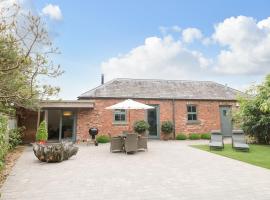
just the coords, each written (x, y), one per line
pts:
(130, 104)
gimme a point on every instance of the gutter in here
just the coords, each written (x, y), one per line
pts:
(173, 113)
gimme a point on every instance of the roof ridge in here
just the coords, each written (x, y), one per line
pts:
(153, 79)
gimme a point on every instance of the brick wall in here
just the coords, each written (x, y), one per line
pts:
(208, 116)
(28, 120)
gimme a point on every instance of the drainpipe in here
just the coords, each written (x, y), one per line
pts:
(173, 113)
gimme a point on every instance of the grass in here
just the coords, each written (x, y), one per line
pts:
(258, 154)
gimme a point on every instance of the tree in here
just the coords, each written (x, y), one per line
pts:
(25, 56)
(42, 134)
(254, 112)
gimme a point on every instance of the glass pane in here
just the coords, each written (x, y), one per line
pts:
(152, 120)
(67, 124)
(194, 117)
(189, 108)
(123, 117)
(193, 108)
(190, 117)
(117, 117)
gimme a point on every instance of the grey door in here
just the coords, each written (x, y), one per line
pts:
(153, 120)
(226, 120)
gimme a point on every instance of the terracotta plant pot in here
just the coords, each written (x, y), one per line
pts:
(42, 142)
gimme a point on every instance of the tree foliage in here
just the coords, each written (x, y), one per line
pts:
(25, 57)
(254, 112)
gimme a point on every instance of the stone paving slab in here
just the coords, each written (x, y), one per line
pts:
(169, 170)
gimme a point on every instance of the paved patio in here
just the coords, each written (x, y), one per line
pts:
(169, 170)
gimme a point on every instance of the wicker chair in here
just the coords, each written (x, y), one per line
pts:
(116, 144)
(142, 143)
(131, 142)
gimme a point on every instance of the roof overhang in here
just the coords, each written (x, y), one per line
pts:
(67, 104)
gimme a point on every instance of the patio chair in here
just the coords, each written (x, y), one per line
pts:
(239, 141)
(131, 142)
(142, 143)
(216, 141)
(116, 144)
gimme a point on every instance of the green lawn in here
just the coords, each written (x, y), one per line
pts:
(258, 155)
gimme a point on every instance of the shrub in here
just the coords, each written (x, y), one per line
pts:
(42, 134)
(103, 139)
(254, 113)
(206, 136)
(194, 136)
(181, 136)
(167, 127)
(14, 137)
(140, 126)
(4, 146)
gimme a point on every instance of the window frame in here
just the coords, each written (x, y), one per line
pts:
(192, 113)
(120, 112)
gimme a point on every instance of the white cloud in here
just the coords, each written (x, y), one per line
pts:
(191, 34)
(53, 11)
(239, 49)
(167, 29)
(157, 58)
(245, 45)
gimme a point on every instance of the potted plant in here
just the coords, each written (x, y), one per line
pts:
(140, 127)
(167, 129)
(42, 134)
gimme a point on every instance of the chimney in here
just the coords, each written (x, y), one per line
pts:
(102, 79)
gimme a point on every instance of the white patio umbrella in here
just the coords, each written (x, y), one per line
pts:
(129, 104)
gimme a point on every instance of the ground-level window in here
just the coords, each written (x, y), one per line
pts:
(119, 116)
(191, 112)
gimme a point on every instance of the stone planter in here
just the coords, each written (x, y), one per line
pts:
(54, 152)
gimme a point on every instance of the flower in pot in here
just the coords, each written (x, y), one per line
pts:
(167, 129)
(42, 133)
(140, 127)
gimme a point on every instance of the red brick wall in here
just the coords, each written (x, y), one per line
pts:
(28, 120)
(208, 116)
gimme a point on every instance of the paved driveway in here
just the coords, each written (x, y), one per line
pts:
(169, 170)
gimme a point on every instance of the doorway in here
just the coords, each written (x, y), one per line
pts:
(226, 120)
(61, 125)
(153, 121)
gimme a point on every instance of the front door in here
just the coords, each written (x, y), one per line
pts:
(226, 120)
(153, 121)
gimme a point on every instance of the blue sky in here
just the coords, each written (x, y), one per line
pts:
(128, 38)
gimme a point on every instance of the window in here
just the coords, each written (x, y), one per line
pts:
(192, 113)
(119, 116)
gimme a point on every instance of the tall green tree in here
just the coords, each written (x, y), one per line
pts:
(25, 58)
(254, 112)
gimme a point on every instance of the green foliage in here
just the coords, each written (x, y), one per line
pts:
(42, 134)
(206, 136)
(15, 137)
(181, 136)
(140, 126)
(254, 112)
(103, 139)
(25, 53)
(194, 136)
(4, 146)
(167, 127)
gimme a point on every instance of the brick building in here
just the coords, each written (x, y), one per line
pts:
(193, 106)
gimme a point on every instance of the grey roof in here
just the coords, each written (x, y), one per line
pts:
(162, 89)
